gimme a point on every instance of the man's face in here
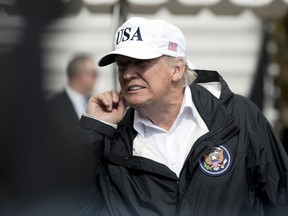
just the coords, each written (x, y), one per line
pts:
(144, 82)
(88, 77)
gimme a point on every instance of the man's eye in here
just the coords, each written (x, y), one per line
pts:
(143, 63)
(121, 66)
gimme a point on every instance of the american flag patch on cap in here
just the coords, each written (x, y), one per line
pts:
(172, 46)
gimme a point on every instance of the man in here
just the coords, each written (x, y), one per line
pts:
(169, 143)
(65, 108)
(71, 166)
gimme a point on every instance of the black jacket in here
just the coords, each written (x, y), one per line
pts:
(249, 176)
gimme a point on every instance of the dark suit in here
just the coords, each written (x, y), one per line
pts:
(73, 162)
(62, 116)
(285, 138)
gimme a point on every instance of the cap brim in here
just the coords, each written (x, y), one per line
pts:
(129, 52)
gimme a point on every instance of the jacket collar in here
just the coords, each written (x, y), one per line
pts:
(212, 109)
(209, 76)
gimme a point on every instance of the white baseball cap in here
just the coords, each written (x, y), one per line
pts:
(141, 38)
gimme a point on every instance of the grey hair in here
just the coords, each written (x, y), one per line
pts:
(189, 76)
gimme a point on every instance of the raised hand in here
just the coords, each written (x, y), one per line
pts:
(108, 106)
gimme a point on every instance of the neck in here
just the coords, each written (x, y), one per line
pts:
(76, 87)
(163, 114)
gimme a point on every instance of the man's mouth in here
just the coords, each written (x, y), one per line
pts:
(135, 88)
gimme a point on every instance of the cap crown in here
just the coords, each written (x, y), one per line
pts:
(156, 36)
(140, 38)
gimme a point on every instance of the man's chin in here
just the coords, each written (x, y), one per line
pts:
(133, 105)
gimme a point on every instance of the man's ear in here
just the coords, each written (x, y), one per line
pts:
(179, 69)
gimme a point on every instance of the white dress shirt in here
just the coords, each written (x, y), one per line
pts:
(172, 147)
(78, 100)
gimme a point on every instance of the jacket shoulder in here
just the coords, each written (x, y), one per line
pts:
(59, 97)
(244, 104)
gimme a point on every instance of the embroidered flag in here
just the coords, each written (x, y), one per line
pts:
(172, 46)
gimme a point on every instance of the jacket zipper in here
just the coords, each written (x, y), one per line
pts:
(199, 140)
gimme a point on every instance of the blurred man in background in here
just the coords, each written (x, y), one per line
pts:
(65, 108)
(72, 167)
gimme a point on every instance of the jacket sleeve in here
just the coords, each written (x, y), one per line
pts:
(270, 178)
(98, 135)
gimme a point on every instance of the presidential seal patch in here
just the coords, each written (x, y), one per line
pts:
(216, 161)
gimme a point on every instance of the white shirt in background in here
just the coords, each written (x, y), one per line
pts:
(78, 100)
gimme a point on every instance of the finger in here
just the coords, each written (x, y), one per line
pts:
(121, 96)
(115, 96)
(111, 99)
(122, 104)
(105, 100)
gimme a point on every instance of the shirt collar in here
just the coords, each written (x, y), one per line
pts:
(77, 99)
(187, 104)
(74, 94)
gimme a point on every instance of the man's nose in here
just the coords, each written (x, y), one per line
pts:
(130, 72)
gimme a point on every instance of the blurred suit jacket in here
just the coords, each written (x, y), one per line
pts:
(62, 117)
(73, 160)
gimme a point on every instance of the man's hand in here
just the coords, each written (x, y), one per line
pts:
(108, 106)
